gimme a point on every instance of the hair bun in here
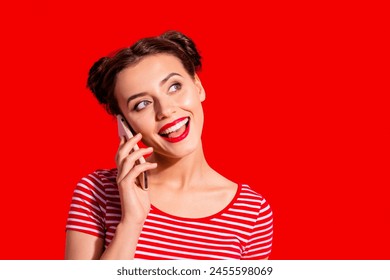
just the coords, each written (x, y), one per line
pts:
(96, 78)
(186, 44)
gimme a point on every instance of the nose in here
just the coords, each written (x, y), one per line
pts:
(165, 108)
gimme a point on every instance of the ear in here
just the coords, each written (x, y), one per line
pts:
(198, 84)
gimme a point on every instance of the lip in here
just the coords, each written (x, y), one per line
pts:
(180, 137)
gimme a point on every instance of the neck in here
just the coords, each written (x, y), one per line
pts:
(179, 173)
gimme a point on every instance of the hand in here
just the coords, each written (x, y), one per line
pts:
(135, 202)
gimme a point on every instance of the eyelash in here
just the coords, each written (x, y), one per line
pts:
(178, 85)
(143, 101)
(175, 84)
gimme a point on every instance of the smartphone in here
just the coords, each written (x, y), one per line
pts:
(124, 130)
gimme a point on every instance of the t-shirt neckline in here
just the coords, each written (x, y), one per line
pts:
(229, 205)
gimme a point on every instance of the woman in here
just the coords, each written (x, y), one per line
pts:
(189, 210)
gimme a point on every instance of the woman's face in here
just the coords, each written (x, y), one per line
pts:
(162, 101)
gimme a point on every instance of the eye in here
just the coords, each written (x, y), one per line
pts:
(141, 105)
(175, 87)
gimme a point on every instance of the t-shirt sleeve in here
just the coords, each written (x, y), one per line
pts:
(87, 208)
(260, 241)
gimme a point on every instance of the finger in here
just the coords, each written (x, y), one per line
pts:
(122, 141)
(129, 162)
(124, 149)
(130, 177)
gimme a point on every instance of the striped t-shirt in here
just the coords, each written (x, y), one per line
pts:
(242, 230)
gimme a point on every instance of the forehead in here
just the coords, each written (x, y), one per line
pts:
(150, 68)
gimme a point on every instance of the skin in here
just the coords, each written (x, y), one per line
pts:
(180, 179)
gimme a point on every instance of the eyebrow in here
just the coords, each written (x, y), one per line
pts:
(168, 77)
(163, 81)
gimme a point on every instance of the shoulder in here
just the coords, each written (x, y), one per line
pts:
(99, 180)
(252, 198)
(248, 192)
(106, 176)
(102, 175)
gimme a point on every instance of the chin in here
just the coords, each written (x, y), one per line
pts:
(182, 151)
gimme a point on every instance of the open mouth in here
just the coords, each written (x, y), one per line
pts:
(176, 130)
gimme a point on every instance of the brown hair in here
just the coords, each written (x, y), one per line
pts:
(102, 75)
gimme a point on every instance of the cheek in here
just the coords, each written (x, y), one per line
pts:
(190, 101)
(144, 124)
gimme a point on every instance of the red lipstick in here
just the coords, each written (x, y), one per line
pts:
(169, 129)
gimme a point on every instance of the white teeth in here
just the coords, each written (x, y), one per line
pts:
(175, 127)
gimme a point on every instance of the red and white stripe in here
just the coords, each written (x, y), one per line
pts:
(243, 230)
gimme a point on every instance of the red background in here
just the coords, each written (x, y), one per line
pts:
(297, 106)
